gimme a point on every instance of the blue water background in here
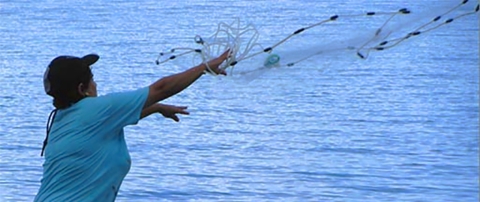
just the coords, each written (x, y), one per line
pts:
(399, 126)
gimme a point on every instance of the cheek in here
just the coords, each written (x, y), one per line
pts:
(93, 85)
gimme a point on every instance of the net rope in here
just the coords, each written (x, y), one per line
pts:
(242, 40)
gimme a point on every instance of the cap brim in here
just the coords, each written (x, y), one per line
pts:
(90, 59)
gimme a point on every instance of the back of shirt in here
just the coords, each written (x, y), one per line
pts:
(86, 158)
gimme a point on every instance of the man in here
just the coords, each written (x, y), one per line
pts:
(86, 157)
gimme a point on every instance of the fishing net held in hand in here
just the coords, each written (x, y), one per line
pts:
(242, 40)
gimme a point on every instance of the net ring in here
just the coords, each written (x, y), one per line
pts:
(272, 60)
(198, 39)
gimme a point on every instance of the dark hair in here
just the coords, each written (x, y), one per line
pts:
(69, 95)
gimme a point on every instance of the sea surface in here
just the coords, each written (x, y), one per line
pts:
(400, 125)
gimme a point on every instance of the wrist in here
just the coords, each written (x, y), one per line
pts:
(203, 68)
(206, 69)
(159, 107)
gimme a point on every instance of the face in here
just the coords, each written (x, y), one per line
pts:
(90, 91)
(92, 88)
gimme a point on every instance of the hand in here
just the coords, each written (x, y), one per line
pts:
(170, 111)
(215, 63)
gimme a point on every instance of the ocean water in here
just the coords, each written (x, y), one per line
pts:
(401, 125)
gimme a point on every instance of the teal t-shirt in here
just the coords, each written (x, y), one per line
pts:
(86, 158)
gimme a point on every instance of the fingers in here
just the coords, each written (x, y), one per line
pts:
(184, 112)
(181, 110)
(223, 72)
(225, 54)
(175, 118)
(222, 57)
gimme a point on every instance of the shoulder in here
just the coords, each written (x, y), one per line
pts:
(125, 94)
(116, 97)
(118, 102)
(112, 102)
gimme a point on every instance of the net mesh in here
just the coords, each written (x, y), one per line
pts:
(243, 39)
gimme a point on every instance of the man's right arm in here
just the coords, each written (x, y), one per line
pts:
(171, 85)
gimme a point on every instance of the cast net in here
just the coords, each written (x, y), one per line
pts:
(242, 39)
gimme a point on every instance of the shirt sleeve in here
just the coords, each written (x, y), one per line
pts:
(125, 108)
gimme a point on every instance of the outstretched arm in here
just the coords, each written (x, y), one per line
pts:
(171, 85)
(168, 111)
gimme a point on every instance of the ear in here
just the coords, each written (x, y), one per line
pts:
(81, 89)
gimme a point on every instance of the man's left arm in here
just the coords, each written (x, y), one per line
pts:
(168, 111)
